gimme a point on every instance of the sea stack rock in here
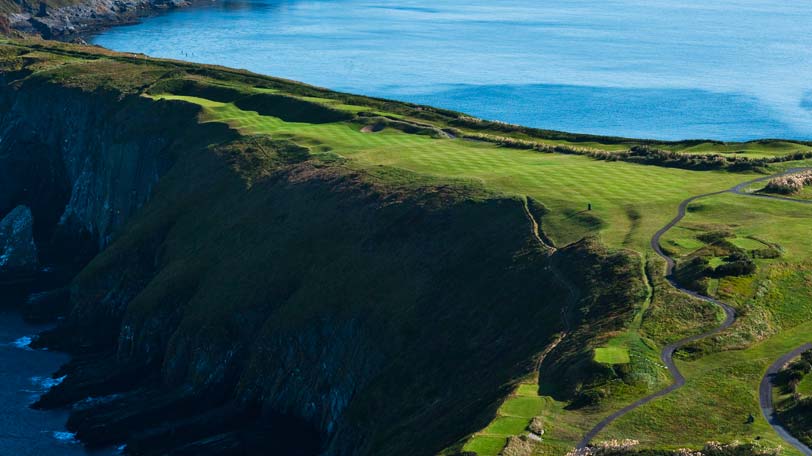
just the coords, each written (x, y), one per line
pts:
(18, 252)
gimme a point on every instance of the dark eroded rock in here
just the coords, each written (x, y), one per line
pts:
(18, 252)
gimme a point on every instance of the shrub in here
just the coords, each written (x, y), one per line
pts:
(588, 397)
(793, 374)
(518, 446)
(737, 449)
(714, 237)
(766, 253)
(801, 365)
(536, 425)
(737, 256)
(789, 184)
(737, 268)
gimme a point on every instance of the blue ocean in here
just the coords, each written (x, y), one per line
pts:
(728, 69)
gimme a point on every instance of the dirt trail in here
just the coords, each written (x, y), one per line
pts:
(667, 354)
(535, 229)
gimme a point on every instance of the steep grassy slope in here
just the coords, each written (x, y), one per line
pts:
(379, 276)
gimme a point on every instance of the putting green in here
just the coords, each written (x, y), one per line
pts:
(747, 243)
(612, 355)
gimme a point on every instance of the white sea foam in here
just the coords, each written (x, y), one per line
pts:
(46, 383)
(24, 342)
(65, 436)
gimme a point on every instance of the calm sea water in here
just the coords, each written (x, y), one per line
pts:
(669, 69)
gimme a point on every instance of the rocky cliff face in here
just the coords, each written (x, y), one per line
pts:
(18, 252)
(90, 162)
(66, 21)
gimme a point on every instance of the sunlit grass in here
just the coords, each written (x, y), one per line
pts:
(629, 201)
(612, 355)
(512, 418)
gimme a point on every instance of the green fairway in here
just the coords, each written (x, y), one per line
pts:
(748, 243)
(513, 418)
(629, 202)
(686, 243)
(612, 355)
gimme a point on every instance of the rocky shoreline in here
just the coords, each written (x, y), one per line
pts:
(76, 22)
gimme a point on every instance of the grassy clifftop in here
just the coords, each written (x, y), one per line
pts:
(383, 274)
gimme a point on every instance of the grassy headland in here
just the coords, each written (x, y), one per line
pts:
(295, 210)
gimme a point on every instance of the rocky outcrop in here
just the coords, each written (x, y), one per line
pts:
(83, 17)
(45, 305)
(18, 252)
(82, 162)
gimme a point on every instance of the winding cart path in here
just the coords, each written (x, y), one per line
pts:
(667, 354)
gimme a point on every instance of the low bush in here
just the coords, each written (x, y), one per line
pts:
(641, 154)
(768, 253)
(735, 268)
(795, 410)
(807, 356)
(789, 184)
(536, 426)
(587, 398)
(518, 446)
(791, 375)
